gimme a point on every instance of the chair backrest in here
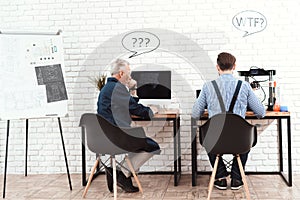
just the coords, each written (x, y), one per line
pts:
(103, 137)
(227, 133)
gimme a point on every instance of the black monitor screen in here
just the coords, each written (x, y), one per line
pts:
(153, 84)
(197, 93)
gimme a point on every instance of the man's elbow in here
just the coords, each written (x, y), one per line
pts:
(197, 115)
(194, 116)
(261, 114)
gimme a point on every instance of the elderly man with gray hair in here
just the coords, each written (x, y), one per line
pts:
(117, 105)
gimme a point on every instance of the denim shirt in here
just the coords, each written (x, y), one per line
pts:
(227, 84)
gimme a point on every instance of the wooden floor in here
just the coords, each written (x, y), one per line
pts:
(55, 186)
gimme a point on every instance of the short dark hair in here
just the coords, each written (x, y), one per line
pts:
(226, 61)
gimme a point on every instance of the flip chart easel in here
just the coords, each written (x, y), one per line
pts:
(32, 78)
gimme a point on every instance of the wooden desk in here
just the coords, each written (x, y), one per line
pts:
(249, 115)
(174, 116)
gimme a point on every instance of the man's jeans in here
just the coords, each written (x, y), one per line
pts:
(221, 170)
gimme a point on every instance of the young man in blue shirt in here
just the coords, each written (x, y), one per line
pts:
(246, 98)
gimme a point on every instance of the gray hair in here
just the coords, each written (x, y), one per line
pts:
(117, 65)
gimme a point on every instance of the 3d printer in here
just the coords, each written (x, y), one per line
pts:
(255, 71)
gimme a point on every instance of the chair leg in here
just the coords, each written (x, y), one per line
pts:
(90, 177)
(243, 177)
(212, 178)
(134, 175)
(114, 176)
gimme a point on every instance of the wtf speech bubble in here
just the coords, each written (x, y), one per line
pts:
(250, 22)
(140, 42)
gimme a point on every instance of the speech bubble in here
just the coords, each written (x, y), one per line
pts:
(250, 22)
(140, 42)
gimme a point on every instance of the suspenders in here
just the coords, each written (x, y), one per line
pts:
(236, 92)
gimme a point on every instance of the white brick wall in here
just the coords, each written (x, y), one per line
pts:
(90, 31)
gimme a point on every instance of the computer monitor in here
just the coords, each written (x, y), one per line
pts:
(197, 93)
(153, 87)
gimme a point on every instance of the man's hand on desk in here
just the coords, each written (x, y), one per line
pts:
(154, 109)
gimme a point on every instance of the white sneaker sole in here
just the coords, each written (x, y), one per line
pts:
(220, 187)
(237, 188)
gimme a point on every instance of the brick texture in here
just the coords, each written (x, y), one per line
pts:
(191, 32)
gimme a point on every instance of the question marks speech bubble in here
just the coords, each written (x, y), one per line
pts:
(140, 42)
(250, 22)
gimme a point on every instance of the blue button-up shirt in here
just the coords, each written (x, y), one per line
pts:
(227, 84)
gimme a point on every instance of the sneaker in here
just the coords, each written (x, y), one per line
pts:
(236, 184)
(221, 184)
(126, 183)
(122, 181)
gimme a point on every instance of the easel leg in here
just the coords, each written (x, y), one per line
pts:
(6, 154)
(66, 161)
(26, 146)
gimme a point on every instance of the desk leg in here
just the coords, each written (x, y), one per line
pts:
(83, 156)
(175, 136)
(288, 180)
(280, 145)
(194, 152)
(179, 145)
(289, 151)
(6, 155)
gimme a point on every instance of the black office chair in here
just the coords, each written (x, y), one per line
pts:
(227, 133)
(105, 138)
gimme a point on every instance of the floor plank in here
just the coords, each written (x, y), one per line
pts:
(160, 187)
